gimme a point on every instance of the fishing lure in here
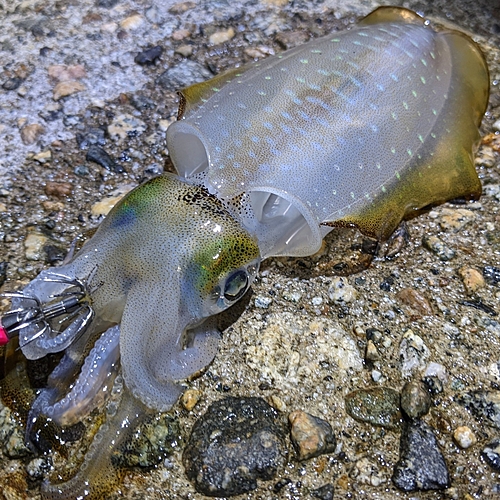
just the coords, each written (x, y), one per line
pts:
(364, 127)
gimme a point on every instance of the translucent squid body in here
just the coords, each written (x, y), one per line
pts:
(363, 127)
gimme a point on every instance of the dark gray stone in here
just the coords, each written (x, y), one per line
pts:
(12, 83)
(236, 442)
(149, 56)
(99, 156)
(421, 464)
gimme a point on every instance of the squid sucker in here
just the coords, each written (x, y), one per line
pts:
(364, 128)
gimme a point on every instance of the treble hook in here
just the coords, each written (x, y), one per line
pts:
(72, 303)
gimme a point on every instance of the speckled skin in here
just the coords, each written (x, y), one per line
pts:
(156, 272)
(363, 127)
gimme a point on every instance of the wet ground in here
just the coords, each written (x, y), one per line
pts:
(298, 344)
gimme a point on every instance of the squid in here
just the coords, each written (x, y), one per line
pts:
(363, 128)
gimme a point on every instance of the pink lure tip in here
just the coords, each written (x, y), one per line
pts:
(4, 338)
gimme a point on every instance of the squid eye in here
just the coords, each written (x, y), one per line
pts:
(236, 285)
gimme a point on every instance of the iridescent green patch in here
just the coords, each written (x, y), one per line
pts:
(221, 256)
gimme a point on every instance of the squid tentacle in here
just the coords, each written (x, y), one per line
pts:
(90, 389)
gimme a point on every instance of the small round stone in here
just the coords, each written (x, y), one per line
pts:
(464, 437)
(472, 279)
(190, 399)
(415, 399)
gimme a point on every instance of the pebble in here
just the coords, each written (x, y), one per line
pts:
(58, 189)
(184, 50)
(43, 157)
(236, 442)
(149, 56)
(179, 35)
(258, 52)
(190, 398)
(317, 301)
(277, 403)
(98, 155)
(93, 135)
(323, 492)
(472, 279)
(415, 399)
(31, 133)
(183, 75)
(67, 88)
(371, 352)
(491, 454)
(33, 245)
(416, 301)
(311, 436)
(413, 353)
(341, 291)
(464, 437)
(421, 464)
(124, 125)
(438, 247)
(132, 22)
(12, 83)
(290, 39)
(377, 406)
(455, 219)
(221, 36)
(484, 405)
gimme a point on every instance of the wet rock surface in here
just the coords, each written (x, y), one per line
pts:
(153, 442)
(236, 442)
(421, 465)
